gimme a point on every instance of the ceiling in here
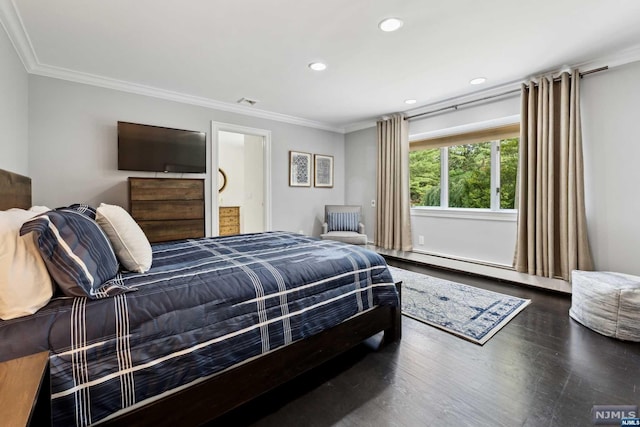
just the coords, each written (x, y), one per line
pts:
(215, 52)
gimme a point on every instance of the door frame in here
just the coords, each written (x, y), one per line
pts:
(217, 127)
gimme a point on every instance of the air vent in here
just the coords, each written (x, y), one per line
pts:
(247, 101)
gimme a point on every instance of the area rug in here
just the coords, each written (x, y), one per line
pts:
(471, 313)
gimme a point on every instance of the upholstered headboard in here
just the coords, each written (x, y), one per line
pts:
(15, 190)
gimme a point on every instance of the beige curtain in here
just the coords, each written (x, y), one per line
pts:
(393, 224)
(552, 231)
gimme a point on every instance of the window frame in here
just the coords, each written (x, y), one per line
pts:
(492, 213)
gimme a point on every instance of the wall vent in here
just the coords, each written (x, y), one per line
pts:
(247, 101)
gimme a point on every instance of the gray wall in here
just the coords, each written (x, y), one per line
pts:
(611, 142)
(14, 152)
(360, 171)
(611, 151)
(73, 148)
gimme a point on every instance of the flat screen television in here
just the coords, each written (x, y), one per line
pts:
(160, 149)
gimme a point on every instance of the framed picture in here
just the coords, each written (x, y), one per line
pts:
(299, 169)
(323, 171)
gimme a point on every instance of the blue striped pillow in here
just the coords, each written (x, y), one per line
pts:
(343, 221)
(76, 252)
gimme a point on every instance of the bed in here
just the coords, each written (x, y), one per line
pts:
(250, 313)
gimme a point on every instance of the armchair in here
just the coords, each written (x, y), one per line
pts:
(342, 223)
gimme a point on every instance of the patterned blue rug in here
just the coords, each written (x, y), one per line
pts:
(471, 313)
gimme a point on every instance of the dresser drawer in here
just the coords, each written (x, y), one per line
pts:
(169, 209)
(229, 230)
(166, 189)
(229, 220)
(233, 211)
(163, 231)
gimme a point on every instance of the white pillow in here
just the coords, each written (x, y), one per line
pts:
(25, 284)
(127, 238)
(39, 209)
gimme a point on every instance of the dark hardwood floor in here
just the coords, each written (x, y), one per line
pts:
(542, 369)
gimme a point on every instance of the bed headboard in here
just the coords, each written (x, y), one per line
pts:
(15, 190)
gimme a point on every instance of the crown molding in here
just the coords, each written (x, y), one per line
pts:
(354, 127)
(154, 92)
(616, 59)
(13, 25)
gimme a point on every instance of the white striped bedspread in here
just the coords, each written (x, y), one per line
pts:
(205, 305)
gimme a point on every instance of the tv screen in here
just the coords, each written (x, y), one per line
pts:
(160, 149)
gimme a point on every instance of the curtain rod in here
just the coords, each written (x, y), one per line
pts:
(455, 106)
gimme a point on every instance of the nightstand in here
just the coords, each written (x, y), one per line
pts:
(25, 391)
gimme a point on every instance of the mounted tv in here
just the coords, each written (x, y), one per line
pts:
(160, 149)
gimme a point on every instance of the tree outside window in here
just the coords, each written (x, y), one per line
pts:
(478, 175)
(470, 176)
(509, 149)
(424, 170)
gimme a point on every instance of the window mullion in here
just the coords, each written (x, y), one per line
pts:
(495, 175)
(444, 177)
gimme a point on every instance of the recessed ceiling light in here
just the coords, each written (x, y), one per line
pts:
(478, 81)
(410, 101)
(390, 24)
(318, 66)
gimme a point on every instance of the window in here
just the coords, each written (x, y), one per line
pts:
(475, 170)
(424, 173)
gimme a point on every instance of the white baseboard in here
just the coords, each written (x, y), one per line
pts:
(479, 268)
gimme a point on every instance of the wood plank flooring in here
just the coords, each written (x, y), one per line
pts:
(542, 369)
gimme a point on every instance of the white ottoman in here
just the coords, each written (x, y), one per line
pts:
(607, 302)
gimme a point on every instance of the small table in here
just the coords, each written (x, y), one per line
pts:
(25, 393)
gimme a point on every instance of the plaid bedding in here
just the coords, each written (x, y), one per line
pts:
(205, 306)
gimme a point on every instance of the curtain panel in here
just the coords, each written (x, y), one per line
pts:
(393, 223)
(552, 232)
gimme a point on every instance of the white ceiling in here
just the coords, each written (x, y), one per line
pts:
(214, 52)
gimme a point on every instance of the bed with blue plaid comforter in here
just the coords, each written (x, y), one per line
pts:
(206, 305)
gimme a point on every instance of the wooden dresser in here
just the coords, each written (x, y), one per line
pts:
(229, 219)
(168, 208)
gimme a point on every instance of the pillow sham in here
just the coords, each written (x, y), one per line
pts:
(76, 252)
(343, 221)
(129, 242)
(25, 284)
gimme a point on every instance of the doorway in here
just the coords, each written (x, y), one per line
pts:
(241, 188)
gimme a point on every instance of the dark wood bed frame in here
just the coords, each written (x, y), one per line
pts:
(225, 391)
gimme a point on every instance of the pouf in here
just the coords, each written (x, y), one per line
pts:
(607, 302)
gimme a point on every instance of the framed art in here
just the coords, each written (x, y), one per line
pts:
(299, 169)
(323, 171)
